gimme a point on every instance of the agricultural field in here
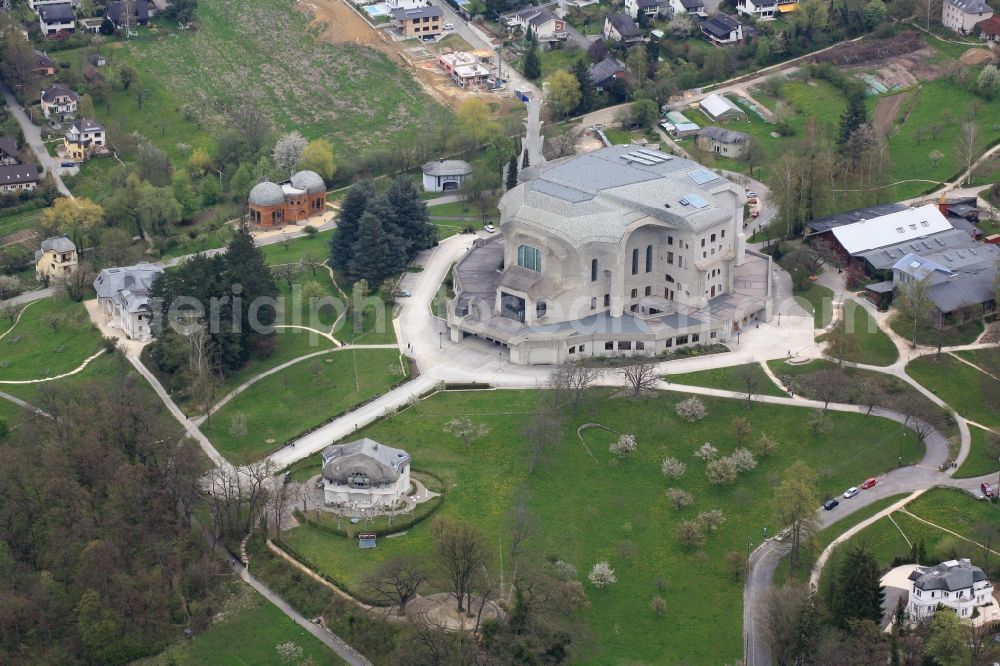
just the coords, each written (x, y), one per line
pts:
(622, 515)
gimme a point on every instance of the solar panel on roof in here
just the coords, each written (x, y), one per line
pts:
(640, 155)
(641, 160)
(696, 200)
(702, 176)
(655, 153)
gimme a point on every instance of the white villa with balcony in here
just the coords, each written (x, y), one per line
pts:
(955, 584)
(365, 473)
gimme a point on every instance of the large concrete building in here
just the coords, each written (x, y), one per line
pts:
(365, 473)
(622, 251)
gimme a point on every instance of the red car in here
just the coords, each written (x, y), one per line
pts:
(870, 483)
(987, 490)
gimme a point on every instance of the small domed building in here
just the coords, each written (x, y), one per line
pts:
(292, 201)
(365, 473)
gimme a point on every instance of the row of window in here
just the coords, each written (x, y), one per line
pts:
(639, 345)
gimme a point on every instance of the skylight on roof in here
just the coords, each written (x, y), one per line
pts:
(696, 200)
(702, 176)
(914, 264)
(899, 229)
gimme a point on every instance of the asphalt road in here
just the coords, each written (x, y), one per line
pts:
(33, 137)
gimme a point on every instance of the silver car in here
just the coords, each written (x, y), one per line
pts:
(851, 492)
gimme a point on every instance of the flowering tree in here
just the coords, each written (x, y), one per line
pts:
(711, 520)
(706, 452)
(721, 471)
(691, 409)
(288, 652)
(679, 498)
(744, 459)
(602, 575)
(466, 430)
(288, 151)
(672, 467)
(689, 535)
(624, 447)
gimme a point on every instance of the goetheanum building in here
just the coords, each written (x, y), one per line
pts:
(621, 251)
(277, 204)
(365, 473)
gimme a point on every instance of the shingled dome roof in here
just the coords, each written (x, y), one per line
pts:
(310, 181)
(380, 463)
(266, 194)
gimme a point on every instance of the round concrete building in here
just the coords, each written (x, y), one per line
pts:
(297, 199)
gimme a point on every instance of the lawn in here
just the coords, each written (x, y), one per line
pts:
(106, 365)
(621, 515)
(53, 336)
(294, 400)
(555, 59)
(864, 341)
(340, 91)
(461, 209)
(28, 219)
(971, 393)
(980, 460)
(246, 634)
(962, 334)
(818, 300)
(731, 379)
(309, 249)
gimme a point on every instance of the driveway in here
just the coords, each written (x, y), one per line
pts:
(33, 137)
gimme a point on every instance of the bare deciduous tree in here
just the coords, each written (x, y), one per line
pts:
(640, 373)
(968, 146)
(461, 554)
(544, 431)
(396, 582)
(570, 382)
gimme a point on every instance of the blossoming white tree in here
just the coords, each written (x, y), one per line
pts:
(624, 447)
(672, 467)
(288, 151)
(691, 409)
(602, 575)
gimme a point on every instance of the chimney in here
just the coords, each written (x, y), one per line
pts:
(942, 206)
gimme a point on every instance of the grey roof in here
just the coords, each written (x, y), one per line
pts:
(647, 3)
(116, 11)
(625, 26)
(960, 272)
(603, 71)
(380, 463)
(310, 181)
(850, 217)
(692, 4)
(14, 174)
(42, 59)
(87, 125)
(50, 93)
(971, 6)
(56, 244)
(951, 576)
(403, 14)
(884, 258)
(535, 16)
(59, 13)
(266, 194)
(596, 196)
(8, 146)
(447, 168)
(720, 25)
(723, 135)
(128, 285)
(884, 287)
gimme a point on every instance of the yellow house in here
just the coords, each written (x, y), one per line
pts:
(82, 139)
(56, 260)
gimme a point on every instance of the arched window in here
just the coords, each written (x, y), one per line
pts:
(649, 258)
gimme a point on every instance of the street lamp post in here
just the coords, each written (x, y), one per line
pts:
(500, 359)
(440, 340)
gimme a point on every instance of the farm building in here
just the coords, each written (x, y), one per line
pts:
(444, 175)
(678, 125)
(720, 109)
(723, 142)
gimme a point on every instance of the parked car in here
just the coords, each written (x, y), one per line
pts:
(869, 483)
(490, 228)
(831, 504)
(404, 294)
(751, 194)
(68, 164)
(987, 490)
(851, 492)
(448, 26)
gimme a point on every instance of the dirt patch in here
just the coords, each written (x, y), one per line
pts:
(977, 57)
(887, 110)
(27, 238)
(342, 24)
(872, 50)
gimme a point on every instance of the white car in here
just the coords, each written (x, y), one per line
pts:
(490, 228)
(751, 194)
(448, 26)
(851, 492)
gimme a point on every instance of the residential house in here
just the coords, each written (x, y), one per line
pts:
(722, 30)
(678, 125)
(546, 26)
(18, 178)
(297, 199)
(601, 74)
(650, 8)
(392, 5)
(59, 102)
(465, 69)
(758, 9)
(625, 250)
(84, 138)
(443, 175)
(963, 15)
(8, 151)
(417, 22)
(35, 5)
(989, 29)
(720, 109)
(57, 18)
(688, 7)
(365, 473)
(127, 13)
(123, 298)
(723, 142)
(621, 28)
(956, 584)
(44, 65)
(56, 260)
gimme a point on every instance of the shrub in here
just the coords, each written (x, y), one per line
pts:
(624, 447)
(711, 520)
(689, 535)
(743, 459)
(672, 467)
(706, 452)
(679, 498)
(602, 575)
(721, 471)
(658, 605)
(563, 570)
(691, 409)
(766, 445)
